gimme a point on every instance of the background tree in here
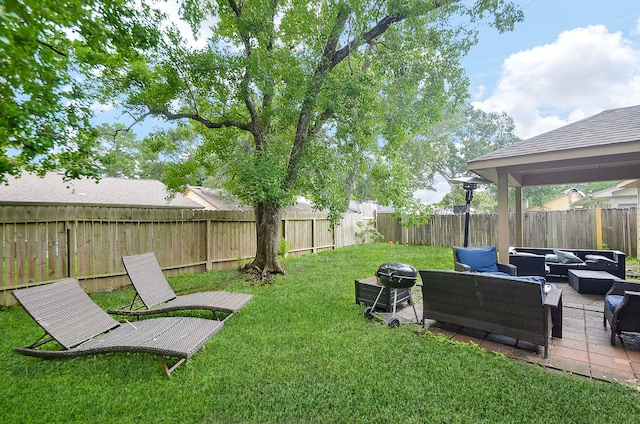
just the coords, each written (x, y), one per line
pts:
(44, 110)
(464, 134)
(277, 77)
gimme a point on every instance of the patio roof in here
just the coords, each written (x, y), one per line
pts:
(603, 147)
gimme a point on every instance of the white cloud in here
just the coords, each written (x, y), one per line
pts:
(441, 188)
(102, 107)
(636, 30)
(586, 70)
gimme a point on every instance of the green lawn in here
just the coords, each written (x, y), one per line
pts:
(301, 352)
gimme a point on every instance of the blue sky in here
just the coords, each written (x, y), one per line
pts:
(567, 61)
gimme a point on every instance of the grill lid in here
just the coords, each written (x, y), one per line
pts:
(397, 275)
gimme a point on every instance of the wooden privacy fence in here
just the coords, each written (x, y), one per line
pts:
(40, 244)
(615, 229)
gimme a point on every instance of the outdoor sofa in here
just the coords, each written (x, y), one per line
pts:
(504, 305)
(550, 262)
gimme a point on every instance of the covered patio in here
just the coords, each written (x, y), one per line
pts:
(604, 147)
(584, 348)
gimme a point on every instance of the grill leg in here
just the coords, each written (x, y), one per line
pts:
(413, 305)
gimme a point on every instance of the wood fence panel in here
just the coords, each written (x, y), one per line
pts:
(345, 232)
(550, 229)
(40, 244)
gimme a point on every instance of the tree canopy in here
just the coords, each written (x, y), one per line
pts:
(47, 62)
(287, 97)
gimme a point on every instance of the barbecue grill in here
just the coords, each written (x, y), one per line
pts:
(394, 276)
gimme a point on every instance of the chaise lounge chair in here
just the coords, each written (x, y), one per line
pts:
(69, 316)
(155, 296)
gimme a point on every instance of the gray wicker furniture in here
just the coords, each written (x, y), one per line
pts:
(504, 305)
(622, 308)
(612, 261)
(460, 265)
(69, 316)
(155, 296)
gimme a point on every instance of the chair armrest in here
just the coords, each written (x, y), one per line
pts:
(553, 297)
(460, 267)
(619, 287)
(508, 268)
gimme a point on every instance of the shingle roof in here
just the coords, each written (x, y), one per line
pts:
(609, 127)
(604, 147)
(211, 199)
(51, 189)
(224, 202)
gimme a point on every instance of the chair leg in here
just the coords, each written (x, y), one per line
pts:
(168, 369)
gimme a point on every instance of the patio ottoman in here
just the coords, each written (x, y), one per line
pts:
(590, 282)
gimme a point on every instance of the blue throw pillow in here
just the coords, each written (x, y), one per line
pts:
(612, 301)
(479, 259)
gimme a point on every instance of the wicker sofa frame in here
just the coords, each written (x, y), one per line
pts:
(496, 304)
(535, 265)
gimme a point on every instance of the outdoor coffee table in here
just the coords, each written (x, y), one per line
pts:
(590, 282)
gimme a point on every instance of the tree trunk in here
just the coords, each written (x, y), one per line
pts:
(268, 221)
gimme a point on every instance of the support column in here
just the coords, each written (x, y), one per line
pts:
(519, 235)
(503, 217)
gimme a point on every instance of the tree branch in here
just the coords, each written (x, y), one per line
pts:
(51, 47)
(195, 117)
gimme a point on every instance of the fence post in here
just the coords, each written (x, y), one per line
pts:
(71, 248)
(209, 246)
(598, 212)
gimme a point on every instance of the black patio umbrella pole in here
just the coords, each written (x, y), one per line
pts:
(469, 184)
(469, 187)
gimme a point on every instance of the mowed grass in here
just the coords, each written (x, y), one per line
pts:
(301, 352)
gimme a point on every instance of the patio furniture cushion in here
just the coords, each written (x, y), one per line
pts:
(599, 258)
(567, 257)
(552, 258)
(612, 301)
(480, 259)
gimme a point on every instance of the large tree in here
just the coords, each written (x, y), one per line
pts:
(289, 96)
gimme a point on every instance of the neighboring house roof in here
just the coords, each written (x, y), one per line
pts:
(602, 147)
(52, 189)
(562, 202)
(213, 200)
(624, 193)
(219, 201)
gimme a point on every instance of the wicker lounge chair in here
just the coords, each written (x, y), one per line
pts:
(69, 316)
(155, 296)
